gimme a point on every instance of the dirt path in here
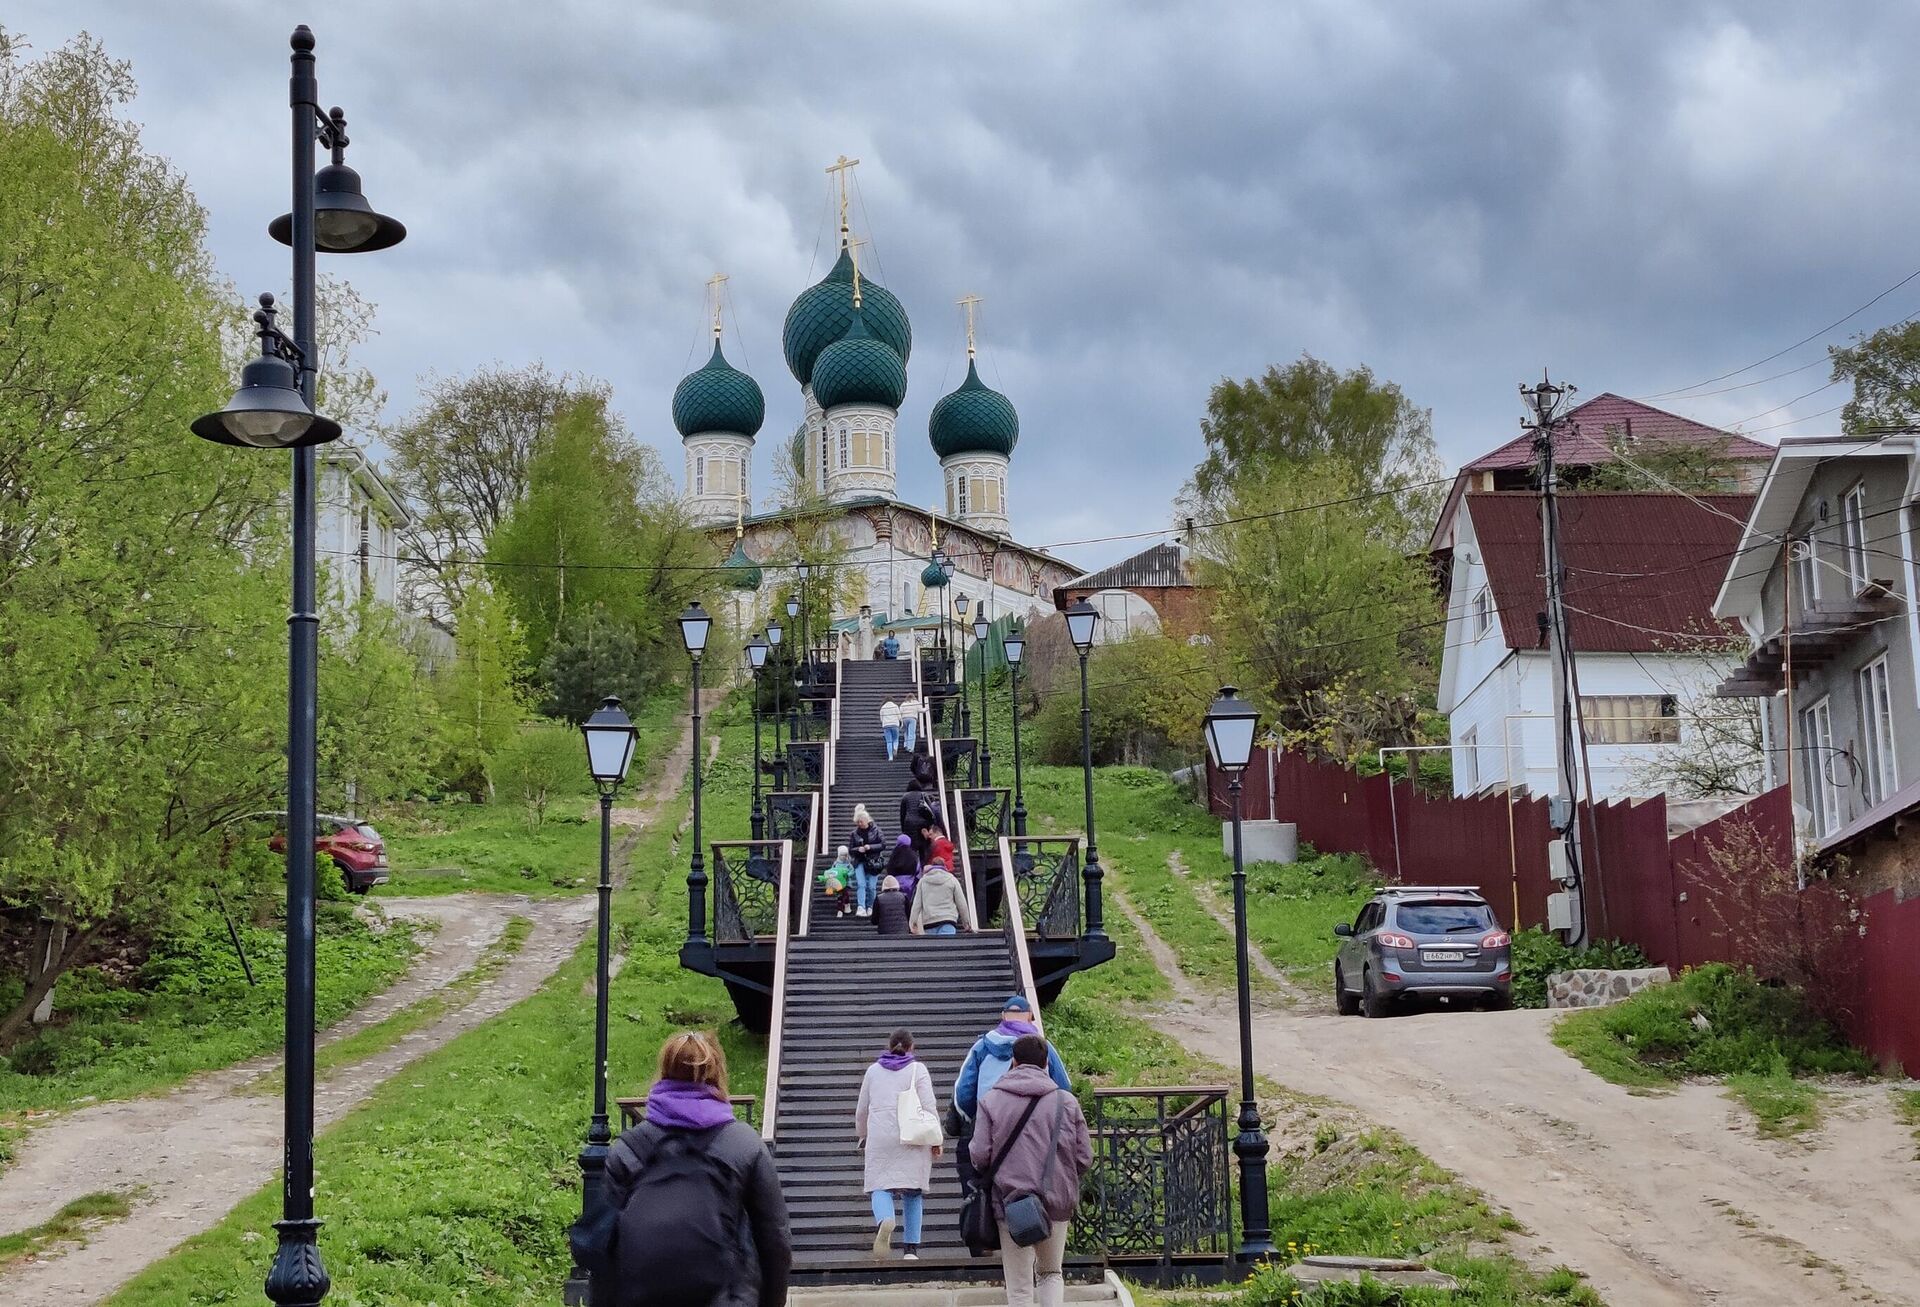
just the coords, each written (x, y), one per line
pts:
(195, 1152)
(1210, 902)
(1664, 1201)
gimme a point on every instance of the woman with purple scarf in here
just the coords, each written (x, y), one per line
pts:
(690, 1179)
(895, 1169)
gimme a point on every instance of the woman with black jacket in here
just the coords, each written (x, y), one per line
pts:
(890, 908)
(867, 846)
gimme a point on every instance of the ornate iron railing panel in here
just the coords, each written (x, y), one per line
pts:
(746, 889)
(936, 670)
(788, 815)
(986, 812)
(1046, 876)
(807, 764)
(961, 761)
(1159, 1190)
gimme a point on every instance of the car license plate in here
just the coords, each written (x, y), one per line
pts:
(1445, 955)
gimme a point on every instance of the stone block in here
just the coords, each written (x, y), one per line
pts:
(1597, 987)
(1312, 1272)
(1263, 841)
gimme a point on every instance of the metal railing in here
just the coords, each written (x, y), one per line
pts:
(986, 812)
(779, 998)
(1013, 925)
(960, 843)
(750, 887)
(816, 833)
(960, 757)
(1160, 1190)
(1042, 874)
(807, 764)
(789, 815)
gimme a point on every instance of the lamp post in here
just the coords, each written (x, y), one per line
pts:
(757, 661)
(960, 641)
(981, 629)
(694, 625)
(610, 737)
(774, 632)
(273, 409)
(1015, 644)
(805, 569)
(795, 652)
(1231, 722)
(1082, 618)
(946, 585)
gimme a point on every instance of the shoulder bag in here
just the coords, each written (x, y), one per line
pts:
(1027, 1219)
(918, 1126)
(978, 1228)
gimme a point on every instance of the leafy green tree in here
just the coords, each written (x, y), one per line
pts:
(1305, 414)
(595, 656)
(1150, 694)
(482, 700)
(1700, 468)
(539, 764)
(379, 723)
(142, 626)
(1884, 368)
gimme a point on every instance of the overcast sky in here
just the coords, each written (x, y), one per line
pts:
(1638, 196)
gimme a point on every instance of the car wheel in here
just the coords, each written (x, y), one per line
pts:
(1344, 1003)
(1372, 1002)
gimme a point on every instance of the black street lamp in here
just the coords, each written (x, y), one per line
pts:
(803, 569)
(774, 632)
(273, 409)
(1015, 644)
(981, 629)
(960, 641)
(757, 662)
(795, 652)
(1081, 620)
(694, 624)
(610, 737)
(1231, 723)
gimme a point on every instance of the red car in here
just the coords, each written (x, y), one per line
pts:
(355, 847)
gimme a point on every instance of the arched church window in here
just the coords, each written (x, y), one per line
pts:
(843, 445)
(961, 484)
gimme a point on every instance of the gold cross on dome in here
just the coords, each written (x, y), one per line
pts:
(839, 169)
(715, 291)
(969, 303)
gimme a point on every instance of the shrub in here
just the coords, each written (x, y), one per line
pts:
(1539, 953)
(540, 763)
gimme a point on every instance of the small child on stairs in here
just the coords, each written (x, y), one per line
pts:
(836, 883)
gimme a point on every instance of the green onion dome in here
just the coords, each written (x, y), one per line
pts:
(974, 419)
(741, 572)
(824, 311)
(718, 397)
(859, 368)
(933, 575)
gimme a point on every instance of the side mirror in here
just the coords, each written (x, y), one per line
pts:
(1343, 930)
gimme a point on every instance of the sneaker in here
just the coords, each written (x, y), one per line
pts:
(911, 1257)
(883, 1238)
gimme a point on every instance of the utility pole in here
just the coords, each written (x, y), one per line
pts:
(1566, 910)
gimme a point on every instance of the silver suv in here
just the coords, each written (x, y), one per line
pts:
(1422, 939)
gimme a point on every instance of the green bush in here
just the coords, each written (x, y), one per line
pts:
(1539, 953)
(1744, 1025)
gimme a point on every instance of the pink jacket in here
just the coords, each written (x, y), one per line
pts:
(1025, 1164)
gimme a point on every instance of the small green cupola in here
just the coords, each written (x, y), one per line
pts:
(718, 397)
(741, 572)
(933, 576)
(974, 419)
(859, 368)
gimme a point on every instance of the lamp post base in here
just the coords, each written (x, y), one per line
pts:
(297, 1277)
(1250, 1146)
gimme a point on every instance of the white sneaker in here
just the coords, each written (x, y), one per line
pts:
(883, 1238)
(911, 1257)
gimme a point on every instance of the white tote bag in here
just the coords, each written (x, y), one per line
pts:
(918, 1126)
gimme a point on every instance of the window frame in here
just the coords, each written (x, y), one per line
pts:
(699, 474)
(1822, 795)
(1853, 537)
(1482, 611)
(1878, 741)
(1470, 745)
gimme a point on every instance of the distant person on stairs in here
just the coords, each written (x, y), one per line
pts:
(940, 903)
(899, 1161)
(890, 908)
(890, 727)
(890, 647)
(903, 866)
(989, 1059)
(837, 883)
(909, 722)
(690, 1179)
(1032, 1132)
(868, 845)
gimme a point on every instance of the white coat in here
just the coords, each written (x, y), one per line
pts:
(890, 1163)
(889, 714)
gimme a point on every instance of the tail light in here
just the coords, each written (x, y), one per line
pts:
(1388, 940)
(1499, 939)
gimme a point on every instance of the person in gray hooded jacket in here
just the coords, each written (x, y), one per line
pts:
(1047, 1157)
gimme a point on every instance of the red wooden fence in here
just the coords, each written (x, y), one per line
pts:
(1674, 898)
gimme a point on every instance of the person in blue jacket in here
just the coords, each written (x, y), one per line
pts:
(988, 1060)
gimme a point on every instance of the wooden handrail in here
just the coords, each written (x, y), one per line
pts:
(1016, 927)
(780, 941)
(815, 820)
(960, 842)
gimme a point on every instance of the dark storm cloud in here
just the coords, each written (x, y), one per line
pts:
(1149, 196)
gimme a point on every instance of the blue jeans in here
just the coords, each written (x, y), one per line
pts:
(945, 928)
(911, 1201)
(893, 740)
(865, 886)
(909, 731)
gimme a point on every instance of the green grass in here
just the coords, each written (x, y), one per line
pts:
(455, 1181)
(1906, 1106)
(196, 1013)
(1781, 1106)
(385, 1033)
(69, 1225)
(1744, 1027)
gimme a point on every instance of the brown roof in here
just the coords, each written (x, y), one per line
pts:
(1584, 435)
(1642, 569)
(1158, 567)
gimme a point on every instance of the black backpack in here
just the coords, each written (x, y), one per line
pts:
(683, 1237)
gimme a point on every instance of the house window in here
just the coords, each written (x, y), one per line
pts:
(1630, 718)
(1482, 612)
(1470, 761)
(1821, 795)
(700, 476)
(1876, 731)
(1853, 534)
(1806, 572)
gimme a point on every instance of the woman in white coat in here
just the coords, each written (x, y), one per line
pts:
(896, 1168)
